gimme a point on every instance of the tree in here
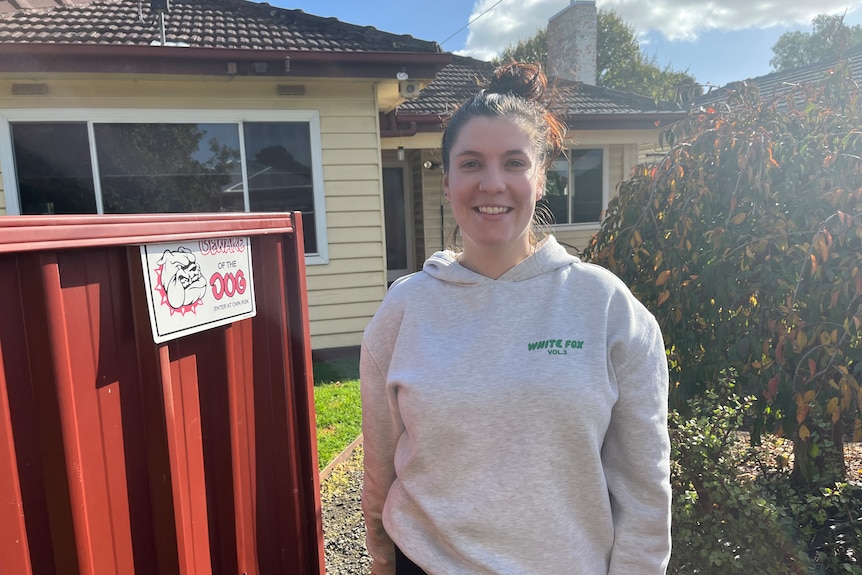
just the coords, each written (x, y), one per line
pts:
(620, 62)
(829, 38)
(746, 242)
(534, 49)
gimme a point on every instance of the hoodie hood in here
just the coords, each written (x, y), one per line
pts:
(549, 256)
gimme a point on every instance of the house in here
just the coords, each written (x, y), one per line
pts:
(609, 133)
(113, 106)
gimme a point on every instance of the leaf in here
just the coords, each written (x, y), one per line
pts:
(738, 218)
(659, 258)
(846, 398)
(822, 248)
(804, 434)
(814, 449)
(801, 412)
(662, 278)
(771, 388)
(663, 297)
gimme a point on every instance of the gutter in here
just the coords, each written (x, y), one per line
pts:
(401, 124)
(395, 128)
(109, 58)
(405, 125)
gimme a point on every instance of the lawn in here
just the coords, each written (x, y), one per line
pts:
(337, 406)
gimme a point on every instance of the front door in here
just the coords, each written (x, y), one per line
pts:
(398, 220)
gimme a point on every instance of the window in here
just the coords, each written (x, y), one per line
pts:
(186, 161)
(575, 187)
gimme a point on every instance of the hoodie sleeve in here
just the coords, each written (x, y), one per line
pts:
(636, 452)
(380, 437)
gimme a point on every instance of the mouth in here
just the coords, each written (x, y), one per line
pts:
(493, 210)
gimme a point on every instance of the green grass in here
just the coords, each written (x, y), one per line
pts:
(337, 406)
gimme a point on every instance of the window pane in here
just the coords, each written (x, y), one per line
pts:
(587, 174)
(52, 162)
(150, 168)
(278, 162)
(556, 196)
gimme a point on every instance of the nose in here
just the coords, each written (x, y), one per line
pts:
(493, 180)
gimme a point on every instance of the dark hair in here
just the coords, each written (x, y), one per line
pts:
(515, 92)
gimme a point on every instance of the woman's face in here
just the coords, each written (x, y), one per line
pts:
(493, 183)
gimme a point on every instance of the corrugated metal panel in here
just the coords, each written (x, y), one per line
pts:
(120, 456)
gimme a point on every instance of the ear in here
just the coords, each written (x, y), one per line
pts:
(446, 186)
(540, 188)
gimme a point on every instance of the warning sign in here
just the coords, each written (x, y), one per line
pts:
(197, 285)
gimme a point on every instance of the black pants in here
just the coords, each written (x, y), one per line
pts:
(404, 566)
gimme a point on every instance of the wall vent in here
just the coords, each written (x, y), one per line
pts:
(29, 89)
(291, 89)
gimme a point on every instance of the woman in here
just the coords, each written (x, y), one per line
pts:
(514, 398)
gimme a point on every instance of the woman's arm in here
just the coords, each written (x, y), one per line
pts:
(636, 456)
(380, 436)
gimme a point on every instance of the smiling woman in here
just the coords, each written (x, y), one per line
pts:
(476, 400)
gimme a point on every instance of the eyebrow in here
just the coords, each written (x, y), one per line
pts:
(507, 153)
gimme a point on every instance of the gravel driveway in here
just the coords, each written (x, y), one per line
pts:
(343, 528)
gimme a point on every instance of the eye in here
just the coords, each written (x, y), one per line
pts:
(467, 164)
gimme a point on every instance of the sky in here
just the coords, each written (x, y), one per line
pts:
(716, 42)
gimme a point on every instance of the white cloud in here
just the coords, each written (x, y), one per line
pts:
(514, 20)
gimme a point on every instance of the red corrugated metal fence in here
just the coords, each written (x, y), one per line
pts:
(121, 456)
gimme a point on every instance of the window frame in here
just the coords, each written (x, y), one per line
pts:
(606, 150)
(168, 116)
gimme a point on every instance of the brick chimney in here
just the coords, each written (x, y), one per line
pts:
(572, 42)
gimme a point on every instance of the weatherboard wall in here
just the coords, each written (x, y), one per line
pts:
(343, 293)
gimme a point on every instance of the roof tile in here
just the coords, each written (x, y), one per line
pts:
(775, 85)
(200, 23)
(463, 77)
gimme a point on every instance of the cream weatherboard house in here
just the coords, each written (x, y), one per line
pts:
(215, 105)
(118, 106)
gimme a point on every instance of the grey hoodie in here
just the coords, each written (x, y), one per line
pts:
(516, 426)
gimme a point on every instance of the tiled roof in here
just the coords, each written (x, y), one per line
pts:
(581, 99)
(451, 86)
(772, 86)
(460, 79)
(235, 24)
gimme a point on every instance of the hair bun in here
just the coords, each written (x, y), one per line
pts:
(519, 79)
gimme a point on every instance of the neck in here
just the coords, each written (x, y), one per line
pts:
(493, 262)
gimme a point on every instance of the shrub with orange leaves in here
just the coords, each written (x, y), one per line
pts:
(745, 240)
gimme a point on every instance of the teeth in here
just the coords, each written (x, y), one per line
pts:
(492, 209)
